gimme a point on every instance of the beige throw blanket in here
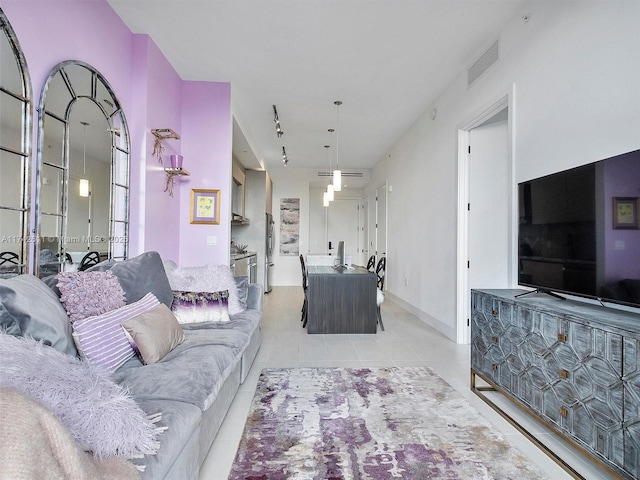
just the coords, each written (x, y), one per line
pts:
(35, 445)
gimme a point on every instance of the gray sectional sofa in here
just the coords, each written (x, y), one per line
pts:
(192, 387)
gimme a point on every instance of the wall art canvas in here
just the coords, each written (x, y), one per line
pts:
(290, 226)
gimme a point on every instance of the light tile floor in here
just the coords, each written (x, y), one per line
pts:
(406, 341)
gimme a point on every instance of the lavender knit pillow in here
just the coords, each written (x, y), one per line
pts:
(99, 413)
(85, 294)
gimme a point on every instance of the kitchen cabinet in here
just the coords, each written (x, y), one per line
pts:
(238, 193)
(259, 187)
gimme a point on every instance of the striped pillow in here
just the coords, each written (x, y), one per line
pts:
(101, 340)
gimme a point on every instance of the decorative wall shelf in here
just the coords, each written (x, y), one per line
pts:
(171, 174)
(161, 135)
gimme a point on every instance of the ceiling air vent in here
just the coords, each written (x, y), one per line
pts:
(488, 58)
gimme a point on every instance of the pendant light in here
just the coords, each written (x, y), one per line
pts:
(337, 174)
(330, 189)
(84, 182)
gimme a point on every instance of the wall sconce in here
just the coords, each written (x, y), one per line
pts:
(276, 120)
(175, 169)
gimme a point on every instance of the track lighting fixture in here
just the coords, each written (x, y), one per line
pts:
(276, 120)
(285, 160)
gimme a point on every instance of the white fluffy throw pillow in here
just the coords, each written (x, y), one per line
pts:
(208, 278)
(99, 414)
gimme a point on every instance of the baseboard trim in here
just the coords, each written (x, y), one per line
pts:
(448, 331)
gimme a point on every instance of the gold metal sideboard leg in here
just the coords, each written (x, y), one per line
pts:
(550, 453)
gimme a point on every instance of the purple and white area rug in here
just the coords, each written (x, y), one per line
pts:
(370, 424)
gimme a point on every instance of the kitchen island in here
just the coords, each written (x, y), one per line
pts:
(341, 300)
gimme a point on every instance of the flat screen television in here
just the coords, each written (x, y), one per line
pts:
(579, 231)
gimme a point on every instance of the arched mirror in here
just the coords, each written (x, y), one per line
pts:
(15, 152)
(83, 176)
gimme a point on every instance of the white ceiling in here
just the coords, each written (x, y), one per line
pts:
(386, 60)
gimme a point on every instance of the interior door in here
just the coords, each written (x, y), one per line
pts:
(342, 224)
(490, 200)
(381, 221)
(364, 231)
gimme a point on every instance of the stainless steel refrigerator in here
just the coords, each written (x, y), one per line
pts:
(268, 267)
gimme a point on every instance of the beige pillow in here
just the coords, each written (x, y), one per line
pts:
(153, 334)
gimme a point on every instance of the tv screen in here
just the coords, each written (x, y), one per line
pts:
(579, 231)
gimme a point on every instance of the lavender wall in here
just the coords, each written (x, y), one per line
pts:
(152, 96)
(622, 247)
(206, 138)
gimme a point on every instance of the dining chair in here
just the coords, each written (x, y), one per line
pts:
(89, 260)
(380, 273)
(305, 303)
(371, 263)
(9, 262)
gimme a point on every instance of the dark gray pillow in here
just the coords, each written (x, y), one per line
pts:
(28, 307)
(139, 276)
(242, 282)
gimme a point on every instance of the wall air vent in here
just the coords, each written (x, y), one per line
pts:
(488, 58)
(344, 174)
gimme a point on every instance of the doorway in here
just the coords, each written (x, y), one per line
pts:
(342, 225)
(486, 229)
(381, 221)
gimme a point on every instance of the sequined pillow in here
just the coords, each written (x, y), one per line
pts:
(197, 307)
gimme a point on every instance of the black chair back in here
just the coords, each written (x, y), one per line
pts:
(11, 258)
(9, 263)
(371, 263)
(304, 273)
(89, 260)
(380, 272)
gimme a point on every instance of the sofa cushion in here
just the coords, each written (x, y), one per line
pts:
(196, 307)
(245, 322)
(98, 413)
(193, 372)
(101, 339)
(85, 294)
(154, 333)
(182, 421)
(242, 284)
(28, 307)
(139, 276)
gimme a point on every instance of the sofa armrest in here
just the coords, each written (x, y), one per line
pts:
(254, 296)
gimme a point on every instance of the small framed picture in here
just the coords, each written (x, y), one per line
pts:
(205, 206)
(625, 212)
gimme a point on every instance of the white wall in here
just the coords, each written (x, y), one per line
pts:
(575, 72)
(295, 183)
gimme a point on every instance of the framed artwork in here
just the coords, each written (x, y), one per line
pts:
(625, 212)
(205, 206)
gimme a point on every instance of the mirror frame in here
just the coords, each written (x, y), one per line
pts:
(25, 153)
(118, 242)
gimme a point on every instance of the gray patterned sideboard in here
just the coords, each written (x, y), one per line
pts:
(574, 366)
